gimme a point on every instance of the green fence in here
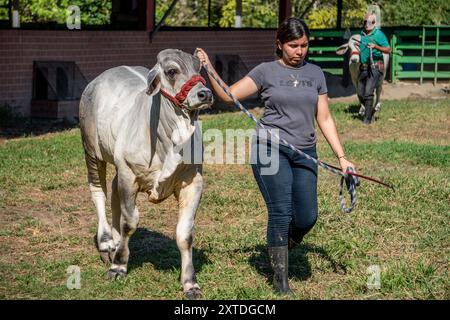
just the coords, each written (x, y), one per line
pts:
(322, 50)
(417, 52)
(421, 54)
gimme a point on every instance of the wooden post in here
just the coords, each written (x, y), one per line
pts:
(284, 10)
(14, 15)
(209, 13)
(339, 14)
(151, 8)
(238, 16)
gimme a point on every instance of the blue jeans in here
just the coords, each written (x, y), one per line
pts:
(290, 194)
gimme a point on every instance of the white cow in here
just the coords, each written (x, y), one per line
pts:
(352, 47)
(140, 121)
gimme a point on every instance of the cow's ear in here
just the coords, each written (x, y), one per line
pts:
(197, 64)
(342, 49)
(153, 80)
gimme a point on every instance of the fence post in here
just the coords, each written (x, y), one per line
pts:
(423, 53)
(393, 60)
(436, 56)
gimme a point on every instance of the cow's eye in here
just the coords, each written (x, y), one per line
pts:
(171, 73)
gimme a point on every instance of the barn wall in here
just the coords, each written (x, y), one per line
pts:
(96, 51)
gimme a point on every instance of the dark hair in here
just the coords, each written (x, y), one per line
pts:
(291, 29)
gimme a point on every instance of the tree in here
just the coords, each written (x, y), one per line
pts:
(4, 10)
(323, 14)
(415, 12)
(255, 14)
(93, 12)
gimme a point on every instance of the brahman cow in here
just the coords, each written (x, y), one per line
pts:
(141, 121)
(354, 63)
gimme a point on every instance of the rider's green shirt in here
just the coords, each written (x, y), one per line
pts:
(376, 36)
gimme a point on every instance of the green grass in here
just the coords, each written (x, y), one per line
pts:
(48, 220)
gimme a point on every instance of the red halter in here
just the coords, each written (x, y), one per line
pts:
(184, 91)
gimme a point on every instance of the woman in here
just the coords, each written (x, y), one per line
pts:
(294, 92)
(372, 66)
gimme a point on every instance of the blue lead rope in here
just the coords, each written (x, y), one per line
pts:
(350, 180)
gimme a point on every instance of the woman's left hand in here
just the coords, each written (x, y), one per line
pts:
(344, 163)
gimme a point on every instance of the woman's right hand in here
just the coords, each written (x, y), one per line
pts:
(201, 54)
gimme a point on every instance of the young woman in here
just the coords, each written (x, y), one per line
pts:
(294, 93)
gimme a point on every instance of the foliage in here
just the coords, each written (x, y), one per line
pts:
(415, 12)
(255, 14)
(393, 13)
(185, 13)
(93, 12)
(4, 10)
(325, 14)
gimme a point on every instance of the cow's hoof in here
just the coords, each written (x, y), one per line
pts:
(193, 293)
(116, 274)
(106, 250)
(362, 111)
(106, 257)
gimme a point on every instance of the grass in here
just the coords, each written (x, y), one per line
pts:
(48, 221)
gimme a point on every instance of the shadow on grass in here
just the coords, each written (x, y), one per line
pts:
(299, 266)
(353, 109)
(26, 127)
(161, 251)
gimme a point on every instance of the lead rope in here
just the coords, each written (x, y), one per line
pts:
(349, 177)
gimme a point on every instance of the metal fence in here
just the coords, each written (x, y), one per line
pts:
(322, 50)
(421, 54)
(417, 53)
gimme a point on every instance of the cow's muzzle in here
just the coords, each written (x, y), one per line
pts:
(204, 95)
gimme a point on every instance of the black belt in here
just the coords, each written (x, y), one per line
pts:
(378, 64)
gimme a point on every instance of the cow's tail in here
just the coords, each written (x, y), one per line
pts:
(96, 168)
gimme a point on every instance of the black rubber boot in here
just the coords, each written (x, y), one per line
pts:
(279, 261)
(295, 236)
(368, 116)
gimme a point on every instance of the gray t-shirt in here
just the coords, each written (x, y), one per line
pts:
(290, 97)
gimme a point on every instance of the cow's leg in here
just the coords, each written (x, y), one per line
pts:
(188, 199)
(97, 186)
(115, 209)
(360, 88)
(127, 190)
(362, 110)
(377, 97)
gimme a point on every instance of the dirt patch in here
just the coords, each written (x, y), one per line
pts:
(400, 91)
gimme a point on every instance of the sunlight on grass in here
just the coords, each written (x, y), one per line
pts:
(48, 220)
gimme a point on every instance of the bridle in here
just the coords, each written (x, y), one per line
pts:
(181, 96)
(355, 52)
